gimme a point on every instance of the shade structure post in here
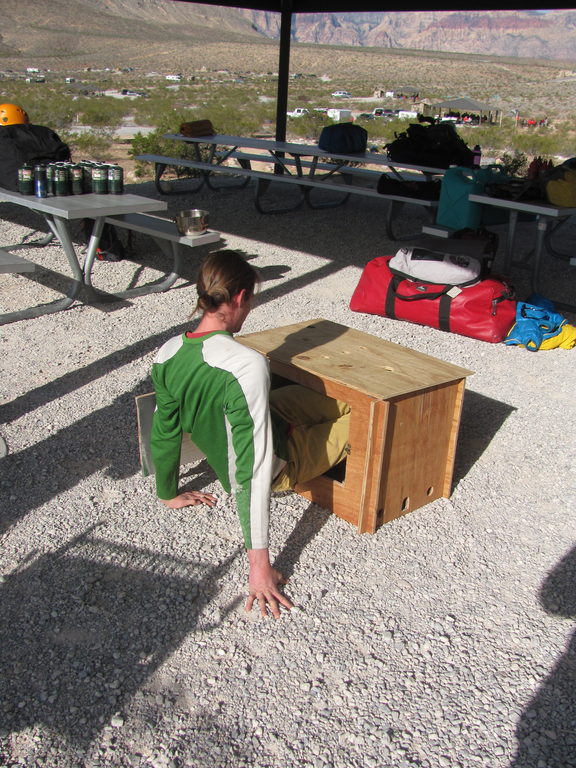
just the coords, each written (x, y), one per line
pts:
(283, 69)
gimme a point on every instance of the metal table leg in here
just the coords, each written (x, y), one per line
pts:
(166, 188)
(393, 208)
(261, 189)
(58, 229)
(171, 249)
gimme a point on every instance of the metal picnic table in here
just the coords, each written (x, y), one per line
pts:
(58, 213)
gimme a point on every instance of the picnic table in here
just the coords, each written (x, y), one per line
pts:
(305, 166)
(58, 213)
(548, 218)
(126, 211)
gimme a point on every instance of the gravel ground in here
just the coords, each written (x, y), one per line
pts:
(445, 639)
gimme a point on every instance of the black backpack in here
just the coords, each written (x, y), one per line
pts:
(343, 138)
(31, 144)
(110, 247)
(437, 146)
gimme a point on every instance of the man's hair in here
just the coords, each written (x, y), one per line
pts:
(222, 276)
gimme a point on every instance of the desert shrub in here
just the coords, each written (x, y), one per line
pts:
(94, 145)
(102, 112)
(514, 163)
(45, 105)
(150, 110)
(537, 143)
(308, 126)
(155, 144)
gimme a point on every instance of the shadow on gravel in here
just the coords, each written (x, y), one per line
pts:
(546, 732)
(106, 439)
(482, 417)
(313, 519)
(85, 626)
(351, 233)
(82, 376)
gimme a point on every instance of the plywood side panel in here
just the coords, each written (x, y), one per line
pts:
(418, 440)
(371, 512)
(451, 452)
(344, 498)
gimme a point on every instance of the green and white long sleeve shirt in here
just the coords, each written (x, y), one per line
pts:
(217, 390)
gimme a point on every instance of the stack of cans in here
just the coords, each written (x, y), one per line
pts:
(61, 179)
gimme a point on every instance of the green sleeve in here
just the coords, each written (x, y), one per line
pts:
(166, 441)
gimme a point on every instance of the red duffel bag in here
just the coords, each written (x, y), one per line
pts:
(485, 310)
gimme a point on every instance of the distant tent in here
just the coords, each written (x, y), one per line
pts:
(470, 106)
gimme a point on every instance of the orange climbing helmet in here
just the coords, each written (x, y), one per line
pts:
(12, 114)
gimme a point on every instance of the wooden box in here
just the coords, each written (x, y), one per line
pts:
(405, 414)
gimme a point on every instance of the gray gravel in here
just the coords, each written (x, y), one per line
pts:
(445, 639)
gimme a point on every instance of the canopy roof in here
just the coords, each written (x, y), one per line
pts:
(350, 6)
(467, 105)
(288, 7)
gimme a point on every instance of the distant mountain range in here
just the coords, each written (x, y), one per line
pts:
(152, 32)
(530, 34)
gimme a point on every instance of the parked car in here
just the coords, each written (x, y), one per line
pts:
(342, 94)
(365, 116)
(388, 114)
(298, 112)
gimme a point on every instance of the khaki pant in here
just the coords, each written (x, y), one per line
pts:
(318, 437)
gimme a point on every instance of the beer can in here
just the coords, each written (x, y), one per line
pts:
(115, 179)
(61, 180)
(100, 179)
(77, 179)
(40, 186)
(26, 180)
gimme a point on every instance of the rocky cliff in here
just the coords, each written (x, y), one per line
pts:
(507, 33)
(158, 33)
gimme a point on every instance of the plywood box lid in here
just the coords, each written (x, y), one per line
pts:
(363, 362)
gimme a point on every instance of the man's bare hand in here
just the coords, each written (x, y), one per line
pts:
(264, 583)
(190, 499)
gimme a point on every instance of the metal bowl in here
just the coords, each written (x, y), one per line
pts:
(193, 221)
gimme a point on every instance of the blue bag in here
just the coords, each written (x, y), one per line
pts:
(456, 211)
(535, 323)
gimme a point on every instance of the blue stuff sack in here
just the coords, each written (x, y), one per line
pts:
(343, 138)
(535, 323)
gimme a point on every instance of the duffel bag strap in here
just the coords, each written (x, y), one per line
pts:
(444, 306)
(393, 292)
(444, 312)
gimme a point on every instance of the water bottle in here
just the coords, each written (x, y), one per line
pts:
(40, 181)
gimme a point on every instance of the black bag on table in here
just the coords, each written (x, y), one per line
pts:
(343, 138)
(423, 190)
(27, 144)
(436, 146)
